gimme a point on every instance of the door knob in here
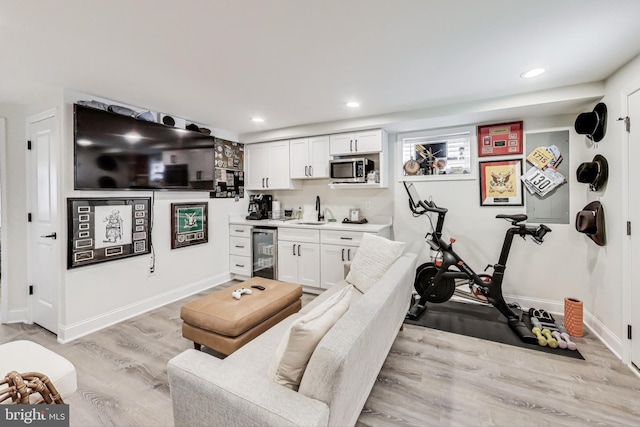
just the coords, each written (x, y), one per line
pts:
(51, 236)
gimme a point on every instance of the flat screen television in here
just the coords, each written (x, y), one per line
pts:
(113, 151)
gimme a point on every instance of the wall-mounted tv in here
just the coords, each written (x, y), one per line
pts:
(113, 151)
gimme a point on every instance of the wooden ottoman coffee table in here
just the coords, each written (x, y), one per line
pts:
(225, 324)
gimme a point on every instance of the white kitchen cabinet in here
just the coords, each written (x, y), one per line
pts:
(299, 256)
(268, 166)
(337, 247)
(333, 259)
(309, 157)
(370, 141)
(240, 250)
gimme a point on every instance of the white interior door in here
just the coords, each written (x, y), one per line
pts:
(634, 217)
(44, 262)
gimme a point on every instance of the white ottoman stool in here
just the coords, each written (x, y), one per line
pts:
(26, 356)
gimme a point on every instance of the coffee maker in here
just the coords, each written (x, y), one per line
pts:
(259, 206)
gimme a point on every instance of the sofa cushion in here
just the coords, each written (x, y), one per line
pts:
(375, 255)
(302, 337)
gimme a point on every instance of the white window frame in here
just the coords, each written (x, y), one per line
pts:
(405, 141)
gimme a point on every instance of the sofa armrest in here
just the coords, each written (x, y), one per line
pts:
(206, 391)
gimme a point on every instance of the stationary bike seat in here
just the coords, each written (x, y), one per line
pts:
(515, 218)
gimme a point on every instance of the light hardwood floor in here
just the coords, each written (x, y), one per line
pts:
(430, 378)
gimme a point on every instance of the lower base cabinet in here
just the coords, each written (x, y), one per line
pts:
(299, 256)
(333, 259)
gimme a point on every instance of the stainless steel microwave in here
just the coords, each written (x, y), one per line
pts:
(350, 169)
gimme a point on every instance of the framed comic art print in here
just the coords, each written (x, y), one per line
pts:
(501, 139)
(500, 183)
(188, 224)
(107, 229)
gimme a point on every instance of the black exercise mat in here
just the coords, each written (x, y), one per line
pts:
(479, 321)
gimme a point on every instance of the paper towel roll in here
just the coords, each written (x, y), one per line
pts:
(276, 210)
(573, 316)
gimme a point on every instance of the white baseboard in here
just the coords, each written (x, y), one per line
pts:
(608, 338)
(603, 333)
(67, 333)
(17, 316)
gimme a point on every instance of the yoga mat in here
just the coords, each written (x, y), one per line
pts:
(479, 321)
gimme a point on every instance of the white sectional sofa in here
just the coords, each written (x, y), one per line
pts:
(237, 391)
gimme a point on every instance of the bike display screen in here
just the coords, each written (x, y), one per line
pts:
(413, 194)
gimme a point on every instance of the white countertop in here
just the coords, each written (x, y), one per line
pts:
(375, 226)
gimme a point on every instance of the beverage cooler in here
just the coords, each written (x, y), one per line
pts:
(265, 252)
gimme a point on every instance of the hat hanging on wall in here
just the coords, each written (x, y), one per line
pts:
(594, 173)
(590, 221)
(593, 124)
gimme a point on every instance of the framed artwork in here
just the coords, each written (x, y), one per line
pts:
(500, 139)
(500, 183)
(107, 229)
(189, 224)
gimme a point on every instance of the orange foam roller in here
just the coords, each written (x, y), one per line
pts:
(573, 316)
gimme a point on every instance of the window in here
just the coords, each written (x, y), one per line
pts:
(442, 154)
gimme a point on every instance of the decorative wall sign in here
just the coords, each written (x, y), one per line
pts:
(228, 170)
(107, 229)
(500, 183)
(189, 224)
(500, 139)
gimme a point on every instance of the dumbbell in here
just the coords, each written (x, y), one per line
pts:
(553, 343)
(565, 336)
(558, 337)
(544, 325)
(542, 341)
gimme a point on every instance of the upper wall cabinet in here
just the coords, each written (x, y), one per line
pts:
(369, 141)
(268, 166)
(310, 157)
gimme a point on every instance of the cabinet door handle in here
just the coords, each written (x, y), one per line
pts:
(342, 254)
(294, 250)
(349, 254)
(346, 238)
(240, 265)
(239, 231)
(310, 170)
(351, 145)
(241, 247)
(298, 250)
(306, 171)
(267, 182)
(356, 145)
(262, 182)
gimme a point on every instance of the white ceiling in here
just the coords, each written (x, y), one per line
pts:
(295, 62)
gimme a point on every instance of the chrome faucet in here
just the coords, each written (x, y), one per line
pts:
(320, 216)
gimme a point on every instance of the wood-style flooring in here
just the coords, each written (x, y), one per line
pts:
(430, 378)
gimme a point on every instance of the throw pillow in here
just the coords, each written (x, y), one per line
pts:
(374, 257)
(302, 337)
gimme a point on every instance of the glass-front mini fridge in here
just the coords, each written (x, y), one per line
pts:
(265, 252)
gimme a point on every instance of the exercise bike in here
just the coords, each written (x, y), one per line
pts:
(436, 282)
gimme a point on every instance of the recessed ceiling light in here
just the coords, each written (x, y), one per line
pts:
(352, 104)
(532, 73)
(257, 119)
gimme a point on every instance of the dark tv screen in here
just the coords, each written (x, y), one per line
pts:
(113, 151)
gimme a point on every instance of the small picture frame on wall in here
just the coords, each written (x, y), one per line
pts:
(107, 229)
(500, 183)
(189, 224)
(502, 139)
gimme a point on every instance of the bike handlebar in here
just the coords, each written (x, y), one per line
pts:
(427, 206)
(540, 233)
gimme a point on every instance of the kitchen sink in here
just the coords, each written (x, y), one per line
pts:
(310, 222)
